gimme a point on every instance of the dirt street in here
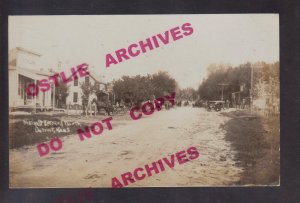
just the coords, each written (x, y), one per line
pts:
(131, 144)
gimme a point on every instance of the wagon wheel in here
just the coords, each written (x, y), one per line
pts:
(218, 107)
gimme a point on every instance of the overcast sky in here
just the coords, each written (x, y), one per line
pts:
(231, 38)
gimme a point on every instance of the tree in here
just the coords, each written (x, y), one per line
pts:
(266, 77)
(139, 88)
(163, 83)
(238, 77)
(210, 88)
(187, 94)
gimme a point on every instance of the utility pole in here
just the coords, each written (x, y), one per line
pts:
(251, 91)
(222, 85)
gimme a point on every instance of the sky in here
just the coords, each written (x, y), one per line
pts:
(217, 38)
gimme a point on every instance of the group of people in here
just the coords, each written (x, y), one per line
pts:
(184, 103)
(122, 105)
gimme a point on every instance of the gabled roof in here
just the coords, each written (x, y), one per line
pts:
(95, 77)
(91, 74)
(33, 74)
(27, 74)
(38, 72)
(28, 51)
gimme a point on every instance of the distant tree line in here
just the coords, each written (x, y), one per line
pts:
(189, 94)
(237, 79)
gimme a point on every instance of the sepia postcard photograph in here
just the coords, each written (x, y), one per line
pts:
(116, 101)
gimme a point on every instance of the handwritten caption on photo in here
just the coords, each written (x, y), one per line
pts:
(47, 126)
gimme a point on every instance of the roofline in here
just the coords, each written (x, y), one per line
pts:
(92, 74)
(27, 50)
(37, 72)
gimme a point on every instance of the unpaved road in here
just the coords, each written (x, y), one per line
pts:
(132, 144)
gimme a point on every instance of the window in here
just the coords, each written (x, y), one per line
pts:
(76, 82)
(97, 86)
(20, 86)
(75, 97)
(23, 82)
(87, 80)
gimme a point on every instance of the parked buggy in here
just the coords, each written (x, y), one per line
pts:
(105, 105)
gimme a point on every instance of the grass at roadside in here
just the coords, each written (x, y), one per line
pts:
(256, 140)
(34, 129)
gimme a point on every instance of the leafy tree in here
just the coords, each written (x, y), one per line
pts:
(266, 77)
(238, 77)
(187, 94)
(163, 83)
(234, 78)
(139, 88)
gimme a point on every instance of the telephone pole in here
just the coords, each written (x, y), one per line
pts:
(222, 85)
(251, 90)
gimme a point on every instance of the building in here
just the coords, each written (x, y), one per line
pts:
(24, 69)
(75, 91)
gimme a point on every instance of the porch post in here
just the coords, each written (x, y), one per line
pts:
(35, 97)
(53, 102)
